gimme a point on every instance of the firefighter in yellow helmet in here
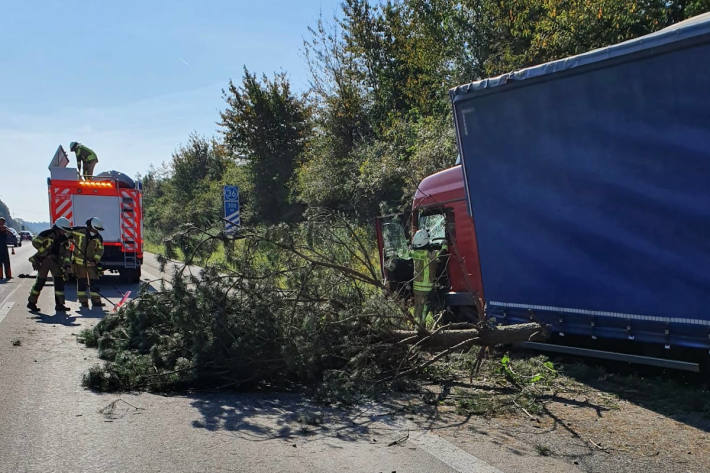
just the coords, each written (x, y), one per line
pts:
(88, 250)
(53, 256)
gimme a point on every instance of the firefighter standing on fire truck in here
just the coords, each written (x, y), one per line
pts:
(84, 156)
(52, 256)
(88, 250)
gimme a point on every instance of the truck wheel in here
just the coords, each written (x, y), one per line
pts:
(130, 275)
(465, 313)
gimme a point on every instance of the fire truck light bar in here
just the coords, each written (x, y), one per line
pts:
(95, 184)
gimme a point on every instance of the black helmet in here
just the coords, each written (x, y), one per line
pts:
(95, 223)
(73, 145)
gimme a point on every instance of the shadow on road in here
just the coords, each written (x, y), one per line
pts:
(260, 417)
(60, 318)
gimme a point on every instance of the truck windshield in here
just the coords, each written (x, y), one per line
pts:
(435, 224)
(394, 239)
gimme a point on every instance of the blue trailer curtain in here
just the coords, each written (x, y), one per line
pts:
(590, 187)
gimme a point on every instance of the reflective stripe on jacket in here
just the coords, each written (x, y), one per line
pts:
(52, 243)
(88, 248)
(426, 265)
(84, 154)
(423, 271)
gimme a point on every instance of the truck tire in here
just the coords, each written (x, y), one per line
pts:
(464, 313)
(130, 275)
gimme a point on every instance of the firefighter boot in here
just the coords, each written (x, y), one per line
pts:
(82, 292)
(59, 302)
(97, 303)
(34, 294)
(96, 298)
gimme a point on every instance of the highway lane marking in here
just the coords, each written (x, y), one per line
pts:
(5, 306)
(5, 309)
(437, 447)
(451, 455)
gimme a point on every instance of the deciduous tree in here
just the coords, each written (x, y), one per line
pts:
(266, 125)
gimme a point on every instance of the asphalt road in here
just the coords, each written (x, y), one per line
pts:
(50, 423)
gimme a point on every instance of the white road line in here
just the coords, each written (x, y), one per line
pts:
(446, 452)
(7, 298)
(5, 305)
(450, 454)
(5, 308)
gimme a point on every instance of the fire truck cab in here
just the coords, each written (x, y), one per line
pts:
(113, 197)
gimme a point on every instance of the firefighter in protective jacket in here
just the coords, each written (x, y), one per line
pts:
(85, 157)
(426, 264)
(88, 250)
(52, 256)
(5, 238)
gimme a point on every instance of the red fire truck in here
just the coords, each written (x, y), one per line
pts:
(113, 197)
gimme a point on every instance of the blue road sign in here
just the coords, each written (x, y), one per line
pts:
(231, 193)
(231, 208)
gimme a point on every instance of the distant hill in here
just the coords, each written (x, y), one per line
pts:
(34, 227)
(5, 212)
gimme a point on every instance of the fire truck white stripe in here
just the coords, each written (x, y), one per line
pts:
(127, 233)
(63, 206)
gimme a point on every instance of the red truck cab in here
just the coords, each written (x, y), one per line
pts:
(439, 206)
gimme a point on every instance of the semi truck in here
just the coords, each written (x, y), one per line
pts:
(581, 197)
(113, 197)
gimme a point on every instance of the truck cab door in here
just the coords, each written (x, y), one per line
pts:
(395, 260)
(435, 222)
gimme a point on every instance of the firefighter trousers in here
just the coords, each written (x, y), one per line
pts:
(89, 169)
(48, 265)
(5, 263)
(87, 284)
(421, 305)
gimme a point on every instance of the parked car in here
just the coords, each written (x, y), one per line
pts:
(18, 240)
(26, 235)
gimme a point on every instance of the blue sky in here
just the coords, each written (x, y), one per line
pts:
(131, 80)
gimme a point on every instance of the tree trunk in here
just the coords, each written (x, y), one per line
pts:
(489, 336)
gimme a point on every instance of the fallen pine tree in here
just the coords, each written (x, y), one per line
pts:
(291, 307)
